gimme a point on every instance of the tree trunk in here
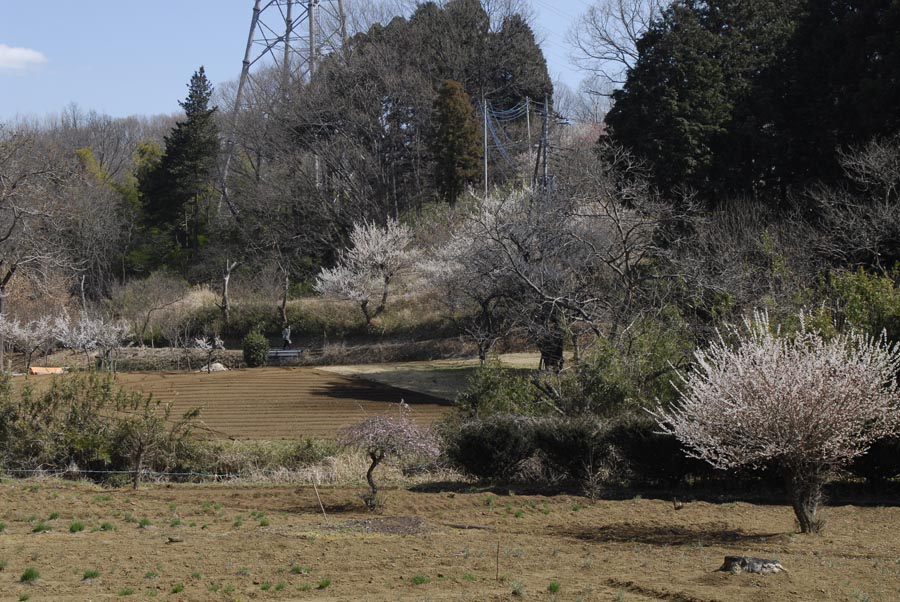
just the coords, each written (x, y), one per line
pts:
(284, 298)
(377, 457)
(226, 277)
(138, 466)
(804, 487)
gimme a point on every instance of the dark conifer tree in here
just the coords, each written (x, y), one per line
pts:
(455, 143)
(177, 193)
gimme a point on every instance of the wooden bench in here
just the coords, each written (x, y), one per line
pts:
(281, 356)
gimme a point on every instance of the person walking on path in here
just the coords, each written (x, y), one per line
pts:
(286, 337)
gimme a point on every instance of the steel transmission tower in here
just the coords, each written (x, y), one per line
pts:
(287, 37)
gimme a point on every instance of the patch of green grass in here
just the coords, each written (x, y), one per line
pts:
(213, 587)
(518, 589)
(305, 587)
(176, 522)
(151, 575)
(2, 526)
(172, 507)
(577, 507)
(178, 588)
(488, 501)
(24, 597)
(296, 569)
(76, 526)
(144, 523)
(31, 518)
(103, 497)
(30, 575)
(41, 527)
(125, 591)
(152, 593)
(279, 586)
(129, 518)
(238, 521)
(228, 589)
(519, 514)
(469, 577)
(243, 572)
(553, 587)
(420, 579)
(53, 516)
(324, 582)
(264, 522)
(266, 586)
(107, 527)
(2, 565)
(195, 575)
(91, 574)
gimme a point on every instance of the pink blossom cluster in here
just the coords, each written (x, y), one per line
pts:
(392, 436)
(802, 400)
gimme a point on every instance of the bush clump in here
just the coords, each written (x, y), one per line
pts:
(577, 448)
(256, 349)
(491, 448)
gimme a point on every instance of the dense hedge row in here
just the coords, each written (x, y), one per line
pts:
(624, 451)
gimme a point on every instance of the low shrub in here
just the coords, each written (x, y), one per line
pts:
(256, 349)
(577, 448)
(881, 463)
(491, 448)
(652, 458)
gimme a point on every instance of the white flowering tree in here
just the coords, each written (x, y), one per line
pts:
(381, 436)
(92, 335)
(805, 403)
(365, 271)
(211, 346)
(27, 337)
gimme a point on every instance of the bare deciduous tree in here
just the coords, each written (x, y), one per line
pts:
(804, 402)
(605, 38)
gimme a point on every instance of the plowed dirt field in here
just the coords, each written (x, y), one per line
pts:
(230, 542)
(280, 403)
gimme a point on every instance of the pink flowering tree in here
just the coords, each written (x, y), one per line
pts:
(805, 403)
(382, 435)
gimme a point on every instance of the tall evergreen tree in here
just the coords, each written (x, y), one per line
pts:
(177, 192)
(695, 66)
(455, 143)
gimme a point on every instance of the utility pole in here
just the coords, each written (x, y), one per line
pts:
(528, 128)
(277, 38)
(545, 137)
(484, 144)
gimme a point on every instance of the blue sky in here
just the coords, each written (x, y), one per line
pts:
(131, 57)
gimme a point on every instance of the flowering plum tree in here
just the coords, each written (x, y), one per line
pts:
(88, 335)
(382, 435)
(211, 346)
(27, 337)
(365, 271)
(806, 403)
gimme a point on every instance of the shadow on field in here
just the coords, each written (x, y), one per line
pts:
(346, 388)
(669, 536)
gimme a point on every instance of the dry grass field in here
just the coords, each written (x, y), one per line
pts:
(239, 542)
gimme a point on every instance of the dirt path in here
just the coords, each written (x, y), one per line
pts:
(231, 542)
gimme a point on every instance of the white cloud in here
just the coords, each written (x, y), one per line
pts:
(19, 59)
